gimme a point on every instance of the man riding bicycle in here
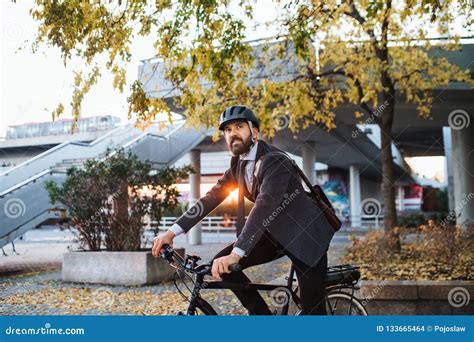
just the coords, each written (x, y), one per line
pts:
(283, 220)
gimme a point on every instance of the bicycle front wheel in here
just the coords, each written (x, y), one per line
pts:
(204, 308)
(344, 304)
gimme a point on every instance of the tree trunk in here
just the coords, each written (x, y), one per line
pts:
(388, 181)
(120, 224)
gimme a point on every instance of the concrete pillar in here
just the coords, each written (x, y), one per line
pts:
(195, 234)
(448, 171)
(401, 196)
(463, 173)
(308, 153)
(354, 196)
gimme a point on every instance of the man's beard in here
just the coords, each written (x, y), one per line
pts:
(238, 147)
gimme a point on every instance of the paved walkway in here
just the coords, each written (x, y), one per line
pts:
(30, 281)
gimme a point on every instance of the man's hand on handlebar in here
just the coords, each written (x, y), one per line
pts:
(221, 265)
(167, 237)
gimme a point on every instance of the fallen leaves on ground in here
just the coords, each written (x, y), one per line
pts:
(90, 300)
(84, 300)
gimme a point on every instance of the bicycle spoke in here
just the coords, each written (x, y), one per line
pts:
(341, 303)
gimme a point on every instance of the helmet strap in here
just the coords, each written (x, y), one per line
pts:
(252, 135)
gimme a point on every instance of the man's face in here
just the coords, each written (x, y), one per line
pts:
(237, 136)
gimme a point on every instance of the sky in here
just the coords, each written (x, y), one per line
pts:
(33, 84)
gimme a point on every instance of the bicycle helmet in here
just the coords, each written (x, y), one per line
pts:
(238, 113)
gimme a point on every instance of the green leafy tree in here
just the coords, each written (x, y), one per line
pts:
(366, 53)
(108, 199)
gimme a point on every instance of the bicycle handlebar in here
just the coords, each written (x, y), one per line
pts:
(168, 255)
(235, 267)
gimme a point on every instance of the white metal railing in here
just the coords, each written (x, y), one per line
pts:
(29, 180)
(409, 204)
(208, 224)
(371, 221)
(365, 221)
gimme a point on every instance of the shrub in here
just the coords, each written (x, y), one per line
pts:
(108, 199)
(432, 252)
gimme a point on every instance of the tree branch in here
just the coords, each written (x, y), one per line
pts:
(406, 76)
(311, 76)
(355, 14)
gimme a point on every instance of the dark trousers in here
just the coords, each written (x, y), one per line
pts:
(311, 280)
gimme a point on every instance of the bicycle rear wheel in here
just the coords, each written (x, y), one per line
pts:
(344, 304)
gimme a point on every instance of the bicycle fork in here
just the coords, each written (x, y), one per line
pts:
(198, 285)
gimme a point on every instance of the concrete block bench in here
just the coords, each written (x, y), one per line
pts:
(116, 268)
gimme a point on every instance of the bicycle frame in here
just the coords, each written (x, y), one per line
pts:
(201, 284)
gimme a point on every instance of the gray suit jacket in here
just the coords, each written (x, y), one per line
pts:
(282, 207)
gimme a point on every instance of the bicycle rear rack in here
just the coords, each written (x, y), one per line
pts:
(343, 275)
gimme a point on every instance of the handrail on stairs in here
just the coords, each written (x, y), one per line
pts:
(32, 179)
(143, 135)
(51, 171)
(55, 148)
